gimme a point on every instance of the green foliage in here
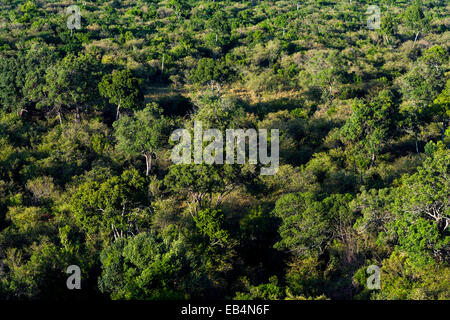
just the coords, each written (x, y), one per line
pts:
(370, 127)
(269, 291)
(402, 280)
(422, 229)
(122, 89)
(305, 229)
(114, 207)
(71, 83)
(210, 224)
(362, 180)
(389, 25)
(143, 134)
(415, 18)
(441, 108)
(208, 70)
(144, 267)
(309, 224)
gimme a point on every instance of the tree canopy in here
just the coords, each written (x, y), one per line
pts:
(88, 178)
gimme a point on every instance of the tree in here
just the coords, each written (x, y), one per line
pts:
(208, 185)
(370, 126)
(375, 208)
(22, 78)
(143, 134)
(416, 216)
(219, 24)
(441, 107)
(29, 11)
(116, 206)
(304, 229)
(35, 64)
(428, 190)
(327, 72)
(210, 71)
(203, 182)
(388, 25)
(425, 80)
(402, 280)
(309, 224)
(10, 91)
(70, 84)
(420, 86)
(388, 3)
(38, 276)
(146, 266)
(122, 89)
(181, 7)
(210, 224)
(267, 291)
(416, 20)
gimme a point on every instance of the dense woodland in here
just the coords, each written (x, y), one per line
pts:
(85, 171)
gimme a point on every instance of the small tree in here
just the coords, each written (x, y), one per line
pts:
(327, 72)
(115, 207)
(143, 133)
(210, 224)
(210, 71)
(146, 266)
(441, 107)
(388, 26)
(370, 126)
(305, 228)
(122, 89)
(420, 86)
(69, 84)
(416, 20)
(219, 24)
(181, 7)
